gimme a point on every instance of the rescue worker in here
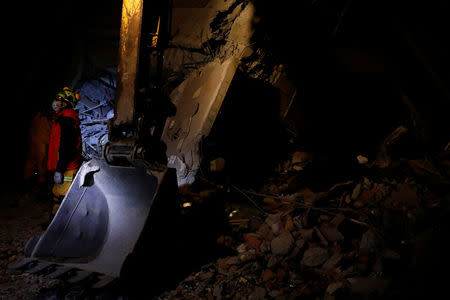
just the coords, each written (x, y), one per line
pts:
(35, 170)
(64, 152)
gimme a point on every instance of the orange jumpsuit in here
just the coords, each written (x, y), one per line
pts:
(36, 161)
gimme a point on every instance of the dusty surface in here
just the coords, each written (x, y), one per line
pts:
(21, 216)
(382, 234)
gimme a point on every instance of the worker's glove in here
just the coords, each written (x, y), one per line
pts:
(58, 178)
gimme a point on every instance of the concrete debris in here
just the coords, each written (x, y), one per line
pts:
(197, 108)
(332, 261)
(307, 234)
(314, 257)
(447, 148)
(217, 165)
(331, 233)
(258, 294)
(383, 158)
(205, 50)
(356, 191)
(282, 244)
(367, 234)
(300, 160)
(273, 261)
(339, 243)
(362, 159)
(333, 287)
(369, 240)
(363, 236)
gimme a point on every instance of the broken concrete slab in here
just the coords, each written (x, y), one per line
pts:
(198, 100)
(333, 261)
(199, 96)
(282, 244)
(314, 257)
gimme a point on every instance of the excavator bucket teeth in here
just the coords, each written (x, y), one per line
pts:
(103, 281)
(24, 263)
(41, 266)
(58, 272)
(80, 276)
(102, 217)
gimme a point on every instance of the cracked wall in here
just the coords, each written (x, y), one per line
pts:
(204, 52)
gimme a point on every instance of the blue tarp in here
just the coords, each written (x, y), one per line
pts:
(95, 108)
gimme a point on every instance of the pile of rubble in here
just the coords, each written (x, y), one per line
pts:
(380, 234)
(364, 238)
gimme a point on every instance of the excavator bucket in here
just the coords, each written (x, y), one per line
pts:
(104, 215)
(113, 218)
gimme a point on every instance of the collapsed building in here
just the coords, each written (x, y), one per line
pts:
(306, 117)
(229, 51)
(204, 51)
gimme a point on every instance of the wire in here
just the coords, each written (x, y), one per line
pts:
(250, 199)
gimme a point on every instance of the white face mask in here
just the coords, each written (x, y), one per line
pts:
(55, 105)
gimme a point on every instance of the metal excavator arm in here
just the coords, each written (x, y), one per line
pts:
(112, 216)
(131, 134)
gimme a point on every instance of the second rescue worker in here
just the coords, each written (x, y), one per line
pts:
(64, 152)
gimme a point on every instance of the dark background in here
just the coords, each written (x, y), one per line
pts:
(45, 43)
(351, 79)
